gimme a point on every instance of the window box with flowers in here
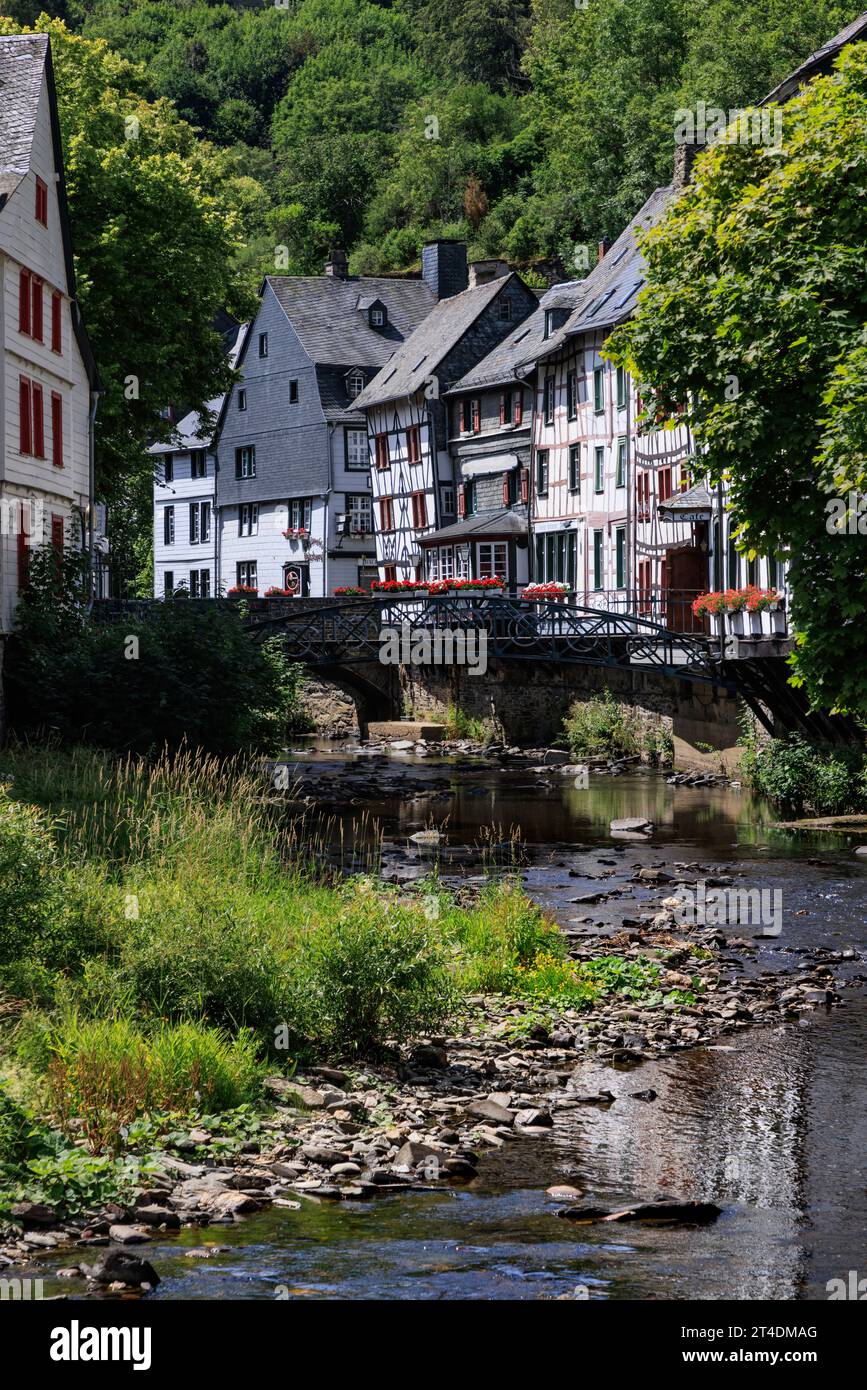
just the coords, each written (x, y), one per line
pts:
(552, 589)
(395, 588)
(492, 586)
(349, 591)
(743, 608)
(242, 591)
(276, 592)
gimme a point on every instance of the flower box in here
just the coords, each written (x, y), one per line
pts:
(242, 591)
(349, 591)
(552, 590)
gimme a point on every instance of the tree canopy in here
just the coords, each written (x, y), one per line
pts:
(755, 315)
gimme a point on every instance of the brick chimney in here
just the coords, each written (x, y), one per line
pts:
(482, 272)
(603, 248)
(684, 157)
(444, 267)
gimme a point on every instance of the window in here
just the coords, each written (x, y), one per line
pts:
(56, 429)
(447, 499)
(386, 514)
(293, 392)
(468, 499)
(642, 496)
(300, 511)
(354, 385)
(549, 322)
(41, 202)
(390, 572)
(359, 509)
(381, 447)
(56, 322)
(599, 469)
(620, 556)
(476, 415)
(246, 574)
(200, 583)
(548, 403)
(597, 559)
(464, 415)
(168, 468)
(664, 485)
(621, 388)
(168, 583)
(493, 560)
(245, 461)
(200, 522)
(242, 398)
(356, 449)
(441, 562)
(504, 310)
(198, 466)
(542, 473)
(419, 511)
(620, 474)
(377, 317)
(24, 301)
(732, 560)
(511, 406)
(413, 444)
(38, 422)
(25, 416)
(598, 390)
(572, 395)
(510, 488)
(525, 485)
(248, 519)
(263, 344)
(36, 308)
(575, 468)
(168, 525)
(644, 595)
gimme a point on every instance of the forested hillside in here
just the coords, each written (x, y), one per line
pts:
(526, 128)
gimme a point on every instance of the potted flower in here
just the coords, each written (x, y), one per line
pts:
(713, 606)
(492, 585)
(276, 592)
(551, 589)
(349, 591)
(242, 591)
(394, 588)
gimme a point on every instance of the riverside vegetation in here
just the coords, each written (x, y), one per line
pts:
(168, 935)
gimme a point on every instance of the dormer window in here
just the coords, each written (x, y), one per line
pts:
(377, 316)
(354, 384)
(554, 319)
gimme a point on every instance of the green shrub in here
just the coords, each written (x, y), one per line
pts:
(601, 726)
(800, 777)
(502, 932)
(17, 1128)
(104, 1073)
(374, 973)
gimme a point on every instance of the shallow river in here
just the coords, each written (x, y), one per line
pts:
(771, 1123)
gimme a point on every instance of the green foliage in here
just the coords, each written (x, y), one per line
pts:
(503, 933)
(601, 726)
(180, 675)
(801, 777)
(754, 315)
(105, 1072)
(375, 972)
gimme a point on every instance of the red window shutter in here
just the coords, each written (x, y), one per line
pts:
(24, 301)
(505, 490)
(36, 309)
(525, 485)
(38, 422)
(56, 322)
(56, 429)
(477, 416)
(462, 502)
(518, 408)
(41, 202)
(25, 432)
(503, 408)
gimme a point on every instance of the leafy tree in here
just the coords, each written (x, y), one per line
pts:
(755, 314)
(183, 673)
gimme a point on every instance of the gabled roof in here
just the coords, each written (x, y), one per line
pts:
(610, 292)
(819, 62)
(503, 522)
(334, 329)
(187, 431)
(503, 365)
(23, 60)
(416, 360)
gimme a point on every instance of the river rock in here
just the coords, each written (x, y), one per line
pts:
(686, 1212)
(158, 1216)
(430, 1056)
(493, 1112)
(412, 1153)
(562, 1192)
(116, 1266)
(632, 825)
(34, 1213)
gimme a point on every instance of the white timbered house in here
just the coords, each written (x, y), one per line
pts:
(49, 382)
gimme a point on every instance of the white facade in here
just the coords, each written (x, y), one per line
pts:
(185, 542)
(45, 387)
(413, 484)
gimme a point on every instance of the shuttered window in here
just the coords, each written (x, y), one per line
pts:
(56, 429)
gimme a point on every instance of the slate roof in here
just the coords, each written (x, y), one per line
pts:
(22, 58)
(503, 364)
(818, 62)
(330, 318)
(504, 522)
(187, 435)
(415, 361)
